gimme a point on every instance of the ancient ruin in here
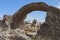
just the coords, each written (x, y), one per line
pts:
(20, 15)
(50, 29)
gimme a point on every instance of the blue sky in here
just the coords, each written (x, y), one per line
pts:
(9, 7)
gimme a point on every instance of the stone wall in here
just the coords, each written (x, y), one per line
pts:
(50, 29)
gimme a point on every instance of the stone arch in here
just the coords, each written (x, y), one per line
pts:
(50, 29)
(20, 15)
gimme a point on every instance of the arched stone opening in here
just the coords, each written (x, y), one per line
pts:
(20, 15)
(38, 15)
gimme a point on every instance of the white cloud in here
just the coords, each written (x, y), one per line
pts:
(58, 6)
(1, 18)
